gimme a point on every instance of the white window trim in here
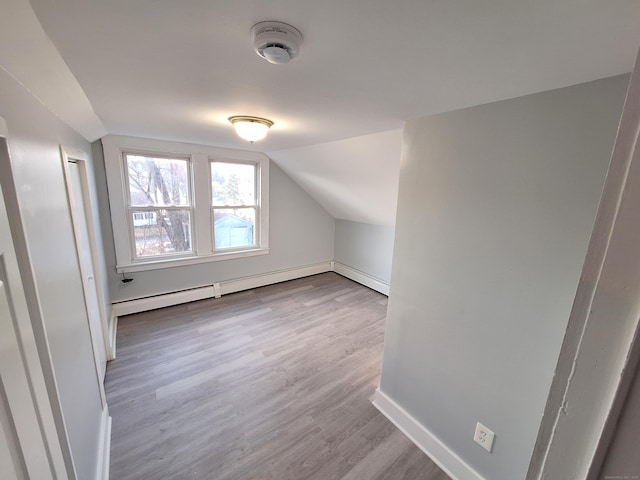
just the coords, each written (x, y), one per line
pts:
(129, 209)
(202, 229)
(258, 196)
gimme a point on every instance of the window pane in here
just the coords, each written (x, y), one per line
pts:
(234, 227)
(233, 184)
(161, 232)
(157, 181)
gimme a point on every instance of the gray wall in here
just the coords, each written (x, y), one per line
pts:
(365, 247)
(104, 218)
(300, 234)
(34, 141)
(495, 210)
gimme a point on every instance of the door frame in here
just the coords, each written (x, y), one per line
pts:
(72, 155)
(600, 350)
(30, 331)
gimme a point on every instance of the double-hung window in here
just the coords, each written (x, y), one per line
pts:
(234, 204)
(176, 204)
(159, 207)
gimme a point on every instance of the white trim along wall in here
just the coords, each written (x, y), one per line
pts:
(361, 277)
(216, 290)
(430, 444)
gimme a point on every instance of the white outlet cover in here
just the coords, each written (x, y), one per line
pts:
(484, 437)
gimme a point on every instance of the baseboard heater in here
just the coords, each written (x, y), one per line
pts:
(163, 300)
(216, 290)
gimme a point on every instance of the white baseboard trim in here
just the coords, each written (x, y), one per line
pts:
(215, 290)
(159, 301)
(270, 278)
(426, 441)
(104, 446)
(362, 278)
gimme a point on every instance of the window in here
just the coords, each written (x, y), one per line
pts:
(159, 205)
(234, 205)
(176, 204)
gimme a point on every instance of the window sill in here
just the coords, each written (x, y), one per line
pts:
(184, 261)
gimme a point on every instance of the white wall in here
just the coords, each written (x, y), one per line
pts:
(300, 234)
(34, 137)
(106, 237)
(365, 247)
(495, 208)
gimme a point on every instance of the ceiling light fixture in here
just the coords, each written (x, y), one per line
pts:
(251, 129)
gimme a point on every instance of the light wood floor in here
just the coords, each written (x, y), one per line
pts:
(268, 384)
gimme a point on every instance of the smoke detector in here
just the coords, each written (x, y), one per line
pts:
(276, 42)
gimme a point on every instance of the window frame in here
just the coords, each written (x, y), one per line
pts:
(202, 239)
(256, 206)
(144, 209)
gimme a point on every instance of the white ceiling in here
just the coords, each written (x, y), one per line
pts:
(371, 165)
(176, 70)
(28, 55)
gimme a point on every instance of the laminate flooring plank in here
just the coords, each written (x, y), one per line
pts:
(268, 384)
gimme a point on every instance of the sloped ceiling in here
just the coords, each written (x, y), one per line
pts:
(354, 179)
(176, 70)
(28, 55)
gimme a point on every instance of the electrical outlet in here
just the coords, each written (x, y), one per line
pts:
(484, 437)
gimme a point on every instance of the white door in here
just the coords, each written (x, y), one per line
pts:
(77, 196)
(29, 448)
(13, 408)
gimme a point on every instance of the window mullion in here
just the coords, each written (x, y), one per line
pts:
(202, 217)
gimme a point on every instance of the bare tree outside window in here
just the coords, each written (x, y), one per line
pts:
(159, 204)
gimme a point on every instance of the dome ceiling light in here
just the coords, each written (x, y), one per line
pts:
(276, 42)
(251, 129)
